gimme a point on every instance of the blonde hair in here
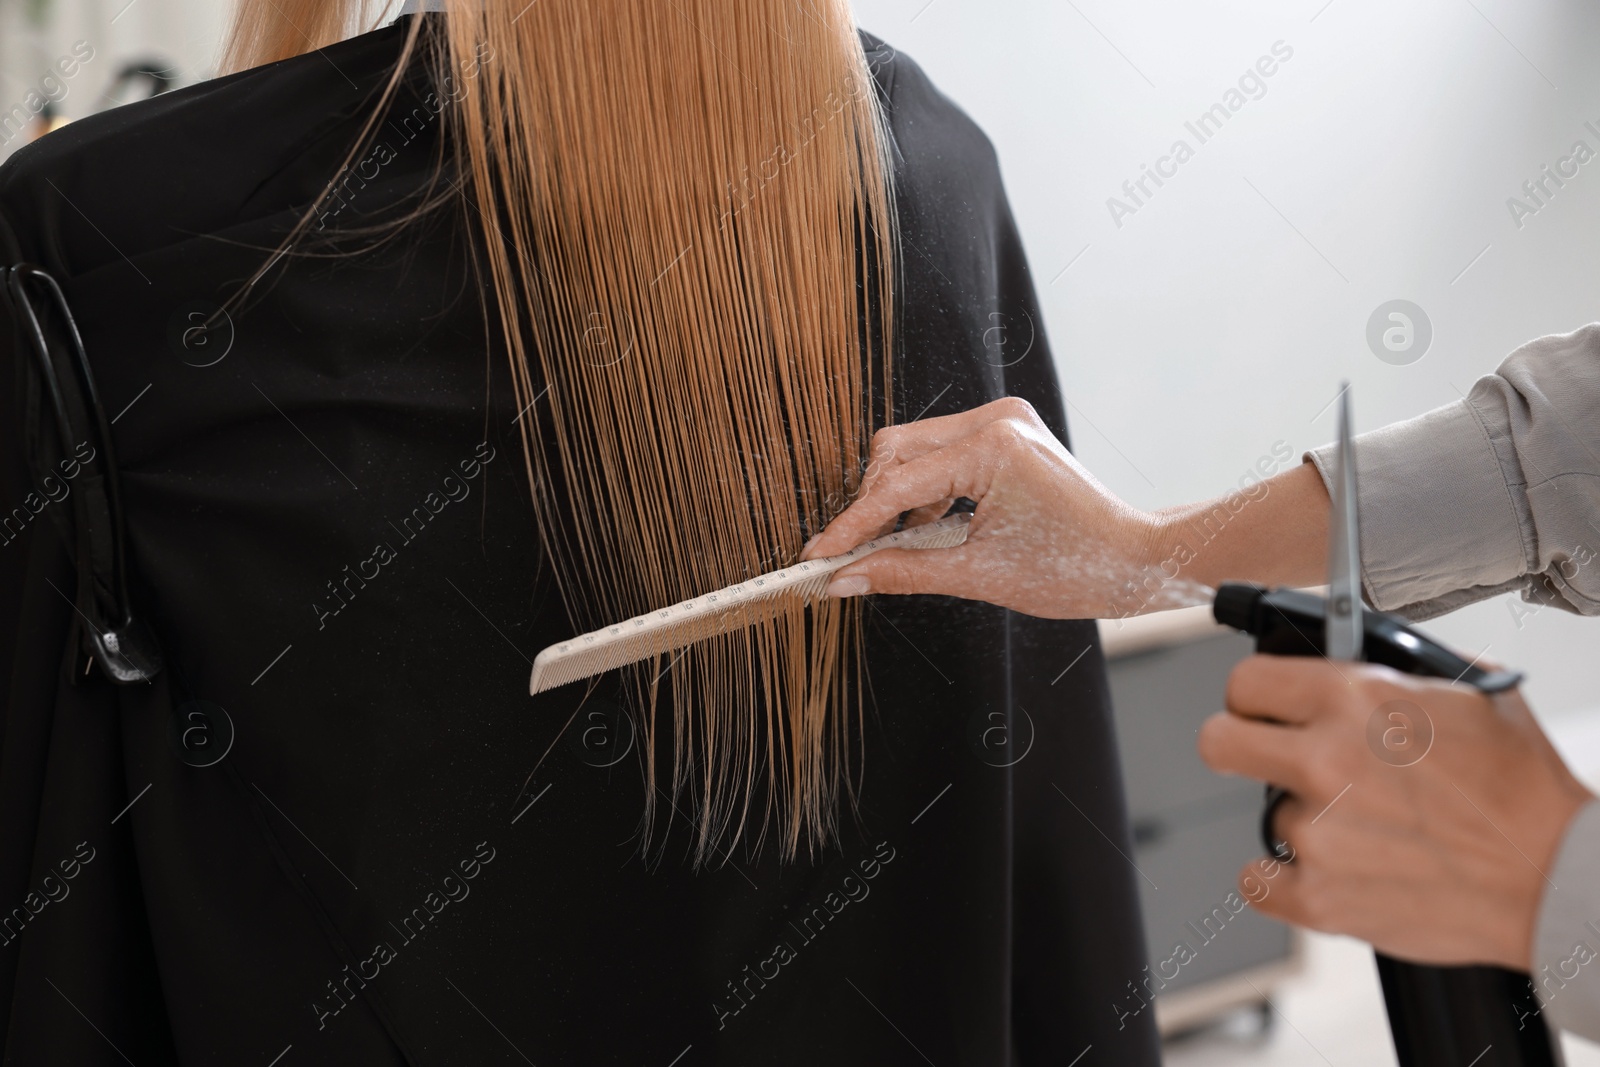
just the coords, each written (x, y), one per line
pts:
(685, 209)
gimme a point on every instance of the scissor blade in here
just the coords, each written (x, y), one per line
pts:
(1343, 624)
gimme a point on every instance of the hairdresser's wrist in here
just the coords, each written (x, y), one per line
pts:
(1149, 566)
(1276, 533)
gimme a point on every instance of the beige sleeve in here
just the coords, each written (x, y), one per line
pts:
(1499, 491)
(1566, 942)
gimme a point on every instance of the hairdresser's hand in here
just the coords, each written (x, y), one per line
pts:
(1050, 540)
(1424, 816)
(1047, 538)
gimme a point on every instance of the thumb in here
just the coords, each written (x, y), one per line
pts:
(905, 570)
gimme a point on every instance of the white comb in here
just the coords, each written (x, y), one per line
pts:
(726, 610)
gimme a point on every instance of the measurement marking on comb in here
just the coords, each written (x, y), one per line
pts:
(531, 803)
(677, 626)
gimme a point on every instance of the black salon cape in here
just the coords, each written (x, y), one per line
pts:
(369, 877)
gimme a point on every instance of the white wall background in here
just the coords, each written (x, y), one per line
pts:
(1219, 318)
(182, 34)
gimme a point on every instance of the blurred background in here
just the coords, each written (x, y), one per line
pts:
(1204, 321)
(1219, 315)
(175, 39)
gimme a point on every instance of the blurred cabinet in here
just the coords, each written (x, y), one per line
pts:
(1193, 829)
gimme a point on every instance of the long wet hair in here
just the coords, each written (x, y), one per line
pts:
(685, 213)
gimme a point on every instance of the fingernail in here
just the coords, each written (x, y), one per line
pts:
(853, 585)
(805, 549)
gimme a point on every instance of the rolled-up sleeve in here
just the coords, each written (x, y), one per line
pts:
(1497, 492)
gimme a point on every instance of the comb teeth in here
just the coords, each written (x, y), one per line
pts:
(724, 611)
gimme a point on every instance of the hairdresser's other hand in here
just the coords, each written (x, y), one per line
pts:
(1047, 538)
(1424, 816)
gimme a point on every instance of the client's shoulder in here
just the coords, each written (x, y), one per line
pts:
(916, 107)
(188, 158)
(934, 139)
